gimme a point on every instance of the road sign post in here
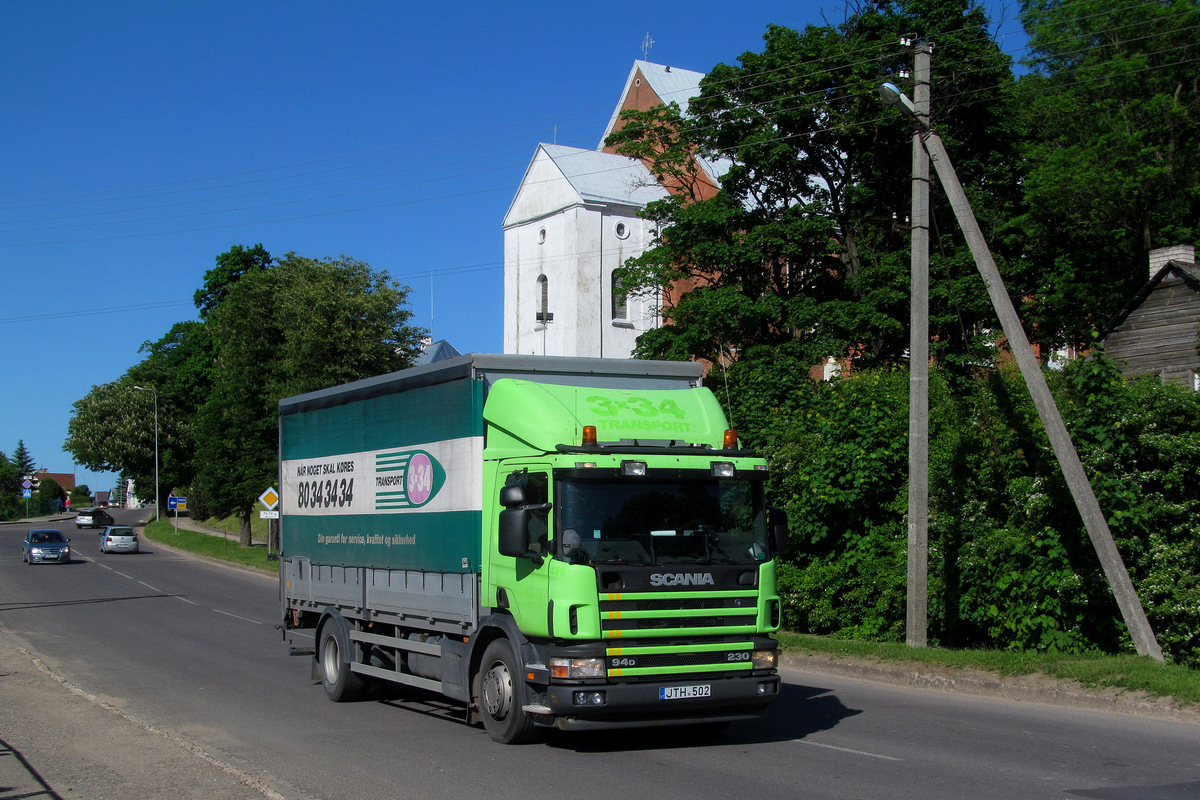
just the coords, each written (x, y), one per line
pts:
(176, 504)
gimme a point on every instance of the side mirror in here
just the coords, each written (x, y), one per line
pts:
(513, 529)
(511, 496)
(777, 520)
(570, 544)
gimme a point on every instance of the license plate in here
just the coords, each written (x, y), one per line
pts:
(684, 692)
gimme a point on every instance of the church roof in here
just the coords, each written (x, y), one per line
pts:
(605, 177)
(671, 84)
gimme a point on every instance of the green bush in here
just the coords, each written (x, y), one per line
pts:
(1010, 563)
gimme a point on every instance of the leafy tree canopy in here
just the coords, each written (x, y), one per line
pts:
(231, 267)
(1113, 146)
(300, 326)
(804, 249)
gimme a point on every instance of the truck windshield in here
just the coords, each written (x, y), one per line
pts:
(643, 521)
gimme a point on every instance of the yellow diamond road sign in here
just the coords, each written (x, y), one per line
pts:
(269, 498)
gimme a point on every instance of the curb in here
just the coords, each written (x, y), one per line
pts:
(1021, 688)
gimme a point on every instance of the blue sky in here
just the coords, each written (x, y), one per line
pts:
(142, 139)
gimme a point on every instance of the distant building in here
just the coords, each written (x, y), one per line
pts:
(64, 479)
(1156, 332)
(435, 351)
(574, 221)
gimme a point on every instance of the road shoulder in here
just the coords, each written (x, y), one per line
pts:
(58, 741)
(1020, 688)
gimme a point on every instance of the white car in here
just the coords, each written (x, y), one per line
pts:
(118, 539)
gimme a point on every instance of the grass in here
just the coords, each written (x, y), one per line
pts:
(1123, 672)
(224, 548)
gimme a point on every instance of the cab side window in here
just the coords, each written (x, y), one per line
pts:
(537, 493)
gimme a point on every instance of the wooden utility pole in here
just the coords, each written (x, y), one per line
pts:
(1056, 430)
(918, 367)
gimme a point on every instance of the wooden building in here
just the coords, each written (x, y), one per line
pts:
(1156, 332)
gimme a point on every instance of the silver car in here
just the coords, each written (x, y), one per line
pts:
(45, 546)
(93, 518)
(118, 539)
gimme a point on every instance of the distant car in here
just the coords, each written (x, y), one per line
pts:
(93, 518)
(45, 546)
(118, 539)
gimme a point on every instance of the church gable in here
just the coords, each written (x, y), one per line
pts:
(544, 190)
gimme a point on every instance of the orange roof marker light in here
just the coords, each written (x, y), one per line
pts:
(731, 442)
(589, 435)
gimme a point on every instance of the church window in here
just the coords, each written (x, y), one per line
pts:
(620, 308)
(543, 312)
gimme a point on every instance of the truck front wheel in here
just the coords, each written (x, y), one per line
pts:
(500, 696)
(341, 685)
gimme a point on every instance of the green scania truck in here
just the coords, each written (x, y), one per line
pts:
(553, 542)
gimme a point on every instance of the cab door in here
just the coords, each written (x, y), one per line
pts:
(523, 583)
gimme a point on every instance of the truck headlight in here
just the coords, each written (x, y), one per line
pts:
(764, 659)
(561, 667)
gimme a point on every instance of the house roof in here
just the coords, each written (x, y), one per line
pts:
(1189, 272)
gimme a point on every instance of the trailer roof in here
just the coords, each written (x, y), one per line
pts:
(490, 367)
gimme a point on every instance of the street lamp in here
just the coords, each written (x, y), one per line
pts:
(156, 494)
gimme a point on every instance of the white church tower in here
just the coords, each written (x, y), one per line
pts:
(574, 221)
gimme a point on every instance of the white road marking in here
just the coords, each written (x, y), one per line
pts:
(151, 588)
(235, 616)
(848, 750)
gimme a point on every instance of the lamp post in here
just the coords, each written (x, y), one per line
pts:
(157, 501)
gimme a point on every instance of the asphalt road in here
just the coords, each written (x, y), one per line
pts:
(162, 676)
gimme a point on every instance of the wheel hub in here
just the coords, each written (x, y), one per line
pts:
(497, 692)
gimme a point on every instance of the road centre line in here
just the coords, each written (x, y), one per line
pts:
(235, 616)
(848, 750)
(151, 588)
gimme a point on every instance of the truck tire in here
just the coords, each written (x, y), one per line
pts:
(500, 696)
(333, 653)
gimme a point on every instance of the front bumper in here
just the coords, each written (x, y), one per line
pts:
(640, 704)
(57, 557)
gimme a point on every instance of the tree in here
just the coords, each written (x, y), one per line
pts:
(231, 267)
(50, 490)
(112, 427)
(799, 251)
(81, 495)
(10, 485)
(1112, 109)
(22, 460)
(299, 326)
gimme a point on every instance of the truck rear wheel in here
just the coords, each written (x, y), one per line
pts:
(341, 685)
(500, 696)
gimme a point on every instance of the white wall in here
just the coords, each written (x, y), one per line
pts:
(576, 248)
